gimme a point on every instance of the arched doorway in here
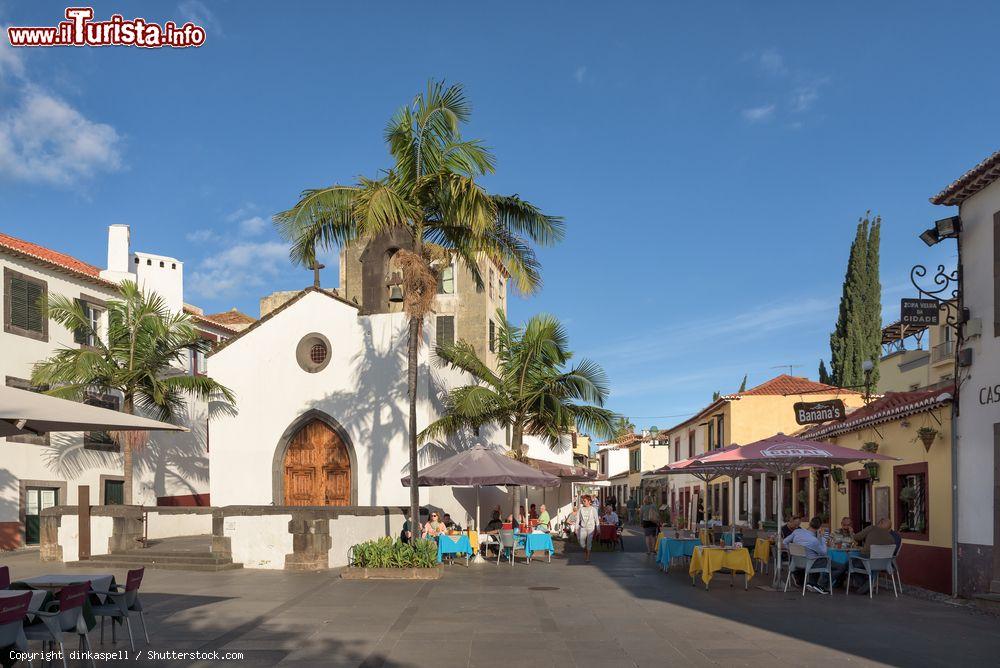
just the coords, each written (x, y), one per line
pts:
(317, 467)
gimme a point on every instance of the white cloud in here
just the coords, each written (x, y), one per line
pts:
(201, 236)
(243, 211)
(199, 14)
(44, 139)
(772, 62)
(253, 226)
(580, 73)
(758, 114)
(244, 265)
(10, 58)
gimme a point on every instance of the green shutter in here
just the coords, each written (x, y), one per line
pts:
(26, 307)
(80, 335)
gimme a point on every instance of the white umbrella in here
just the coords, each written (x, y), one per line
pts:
(26, 412)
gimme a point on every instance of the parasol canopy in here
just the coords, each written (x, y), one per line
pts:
(782, 454)
(481, 466)
(26, 412)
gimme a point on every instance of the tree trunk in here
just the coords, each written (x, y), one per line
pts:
(128, 465)
(515, 448)
(411, 378)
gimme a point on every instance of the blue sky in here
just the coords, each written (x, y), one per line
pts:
(711, 162)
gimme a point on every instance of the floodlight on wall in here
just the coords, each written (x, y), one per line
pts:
(930, 237)
(948, 227)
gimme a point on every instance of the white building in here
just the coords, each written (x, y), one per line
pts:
(977, 194)
(41, 471)
(323, 410)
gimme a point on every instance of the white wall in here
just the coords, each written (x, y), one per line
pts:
(977, 415)
(69, 536)
(260, 541)
(348, 530)
(165, 525)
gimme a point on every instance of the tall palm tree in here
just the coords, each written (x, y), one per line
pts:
(533, 390)
(138, 358)
(432, 195)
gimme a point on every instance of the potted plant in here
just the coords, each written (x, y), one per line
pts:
(837, 473)
(872, 469)
(803, 496)
(870, 446)
(824, 496)
(927, 436)
(908, 493)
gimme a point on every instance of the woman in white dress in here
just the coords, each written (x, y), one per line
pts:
(587, 522)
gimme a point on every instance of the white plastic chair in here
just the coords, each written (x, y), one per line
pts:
(880, 561)
(809, 565)
(508, 542)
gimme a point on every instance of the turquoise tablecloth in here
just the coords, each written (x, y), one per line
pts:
(839, 556)
(453, 545)
(537, 542)
(671, 548)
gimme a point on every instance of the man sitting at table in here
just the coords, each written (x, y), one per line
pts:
(543, 519)
(812, 540)
(846, 529)
(876, 534)
(450, 523)
(610, 516)
(495, 523)
(789, 527)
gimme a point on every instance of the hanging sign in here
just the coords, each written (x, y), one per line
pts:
(814, 412)
(918, 311)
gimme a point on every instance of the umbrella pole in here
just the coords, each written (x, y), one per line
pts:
(477, 558)
(779, 494)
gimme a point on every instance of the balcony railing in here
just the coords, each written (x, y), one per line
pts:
(943, 352)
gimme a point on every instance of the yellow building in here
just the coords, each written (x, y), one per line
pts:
(907, 366)
(914, 492)
(742, 418)
(581, 451)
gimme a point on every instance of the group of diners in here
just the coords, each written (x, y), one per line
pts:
(817, 539)
(437, 524)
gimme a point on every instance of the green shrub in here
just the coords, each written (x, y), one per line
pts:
(387, 552)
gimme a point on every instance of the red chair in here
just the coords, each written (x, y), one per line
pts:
(12, 612)
(507, 526)
(4, 577)
(52, 624)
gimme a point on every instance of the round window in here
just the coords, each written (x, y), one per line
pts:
(313, 352)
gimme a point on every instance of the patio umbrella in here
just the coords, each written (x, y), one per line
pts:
(25, 412)
(781, 455)
(481, 466)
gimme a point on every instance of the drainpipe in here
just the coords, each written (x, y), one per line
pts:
(954, 496)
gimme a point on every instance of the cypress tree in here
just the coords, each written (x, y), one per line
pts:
(858, 332)
(824, 375)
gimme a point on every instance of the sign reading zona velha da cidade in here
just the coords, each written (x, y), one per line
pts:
(814, 412)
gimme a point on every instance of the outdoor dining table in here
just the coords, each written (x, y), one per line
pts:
(448, 545)
(536, 541)
(841, 555)
(55, 581)
(671, 548)
(707, 561)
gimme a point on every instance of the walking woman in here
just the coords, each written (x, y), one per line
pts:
(649, 514)
(586, 524)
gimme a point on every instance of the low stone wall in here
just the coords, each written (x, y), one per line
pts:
(168, 521)
(302, 538)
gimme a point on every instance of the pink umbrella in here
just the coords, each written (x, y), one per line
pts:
(781, 455)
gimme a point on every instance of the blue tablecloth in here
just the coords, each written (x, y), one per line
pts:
(671, 548)
(453, 545)
(537, 542)
(840, 556)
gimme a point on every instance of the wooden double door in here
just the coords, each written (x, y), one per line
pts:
(317, 468)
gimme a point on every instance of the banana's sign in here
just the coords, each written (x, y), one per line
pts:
(813, 412)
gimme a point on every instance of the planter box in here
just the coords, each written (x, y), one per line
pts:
(352, 573)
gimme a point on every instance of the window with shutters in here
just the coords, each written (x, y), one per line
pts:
(493, 337)
(101, 440)
(445, 330)
(491, 284)
(89, 335)
(24, 305)
(690, 444)
(446, 280)
(22, 384)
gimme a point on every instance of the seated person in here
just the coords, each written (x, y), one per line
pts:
(495, 522)
(610, 516)
(515, 525)
(533, 512)
(434, 527)
(406, 535)
(522, 519)
(569, 525)
(449, 523)
(793, 523)
(815, 548)
(544, 519)
(877, 534)
(846, 529)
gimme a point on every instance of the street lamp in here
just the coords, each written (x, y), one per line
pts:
(868, 366)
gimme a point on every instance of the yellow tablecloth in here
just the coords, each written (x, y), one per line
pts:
(473, 539)
(705, 536)
(762, 550)
(709, 560)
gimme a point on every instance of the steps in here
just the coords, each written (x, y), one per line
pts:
(183, 553)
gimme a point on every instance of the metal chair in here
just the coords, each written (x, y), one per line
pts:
(879, 561)
(121, 604)
(895, 566)
(52, 624)
(12, 612)
(799, 560)
(508, 543)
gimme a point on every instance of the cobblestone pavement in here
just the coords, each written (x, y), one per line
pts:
(617, 611)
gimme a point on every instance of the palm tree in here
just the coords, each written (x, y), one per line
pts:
(531, 392)
(432, 195)
(138, 359)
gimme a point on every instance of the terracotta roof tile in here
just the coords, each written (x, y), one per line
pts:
(231, 317)
(787, 385)
(970, 183)
(51, 257)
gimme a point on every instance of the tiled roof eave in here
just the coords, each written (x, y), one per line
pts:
(55, 266)
(889, 415)
(970, 183)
